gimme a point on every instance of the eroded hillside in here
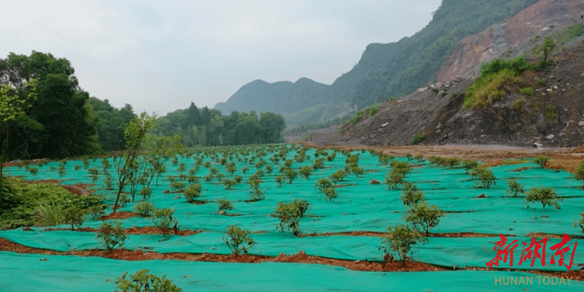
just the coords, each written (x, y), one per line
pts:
(551, 115)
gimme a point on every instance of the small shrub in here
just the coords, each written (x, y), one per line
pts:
(142, 281)
(146, 193)
(579, 175)
(545, 196)
(237, 238)
(416, 139)
(581, 223)
(33, 171)
(424, 217)
(224, 204)
(453, 95)
(550, 112)
(517, 105)
(399, 241)
(337, 176)
(279, 180)
(144, 208)
(229, 183)
(74, 216)
(443, 94)
(515, 188)
(486, 177)
(469, 164)
(305, 171)
(542, 81)
(290, 214)
(291, 175)
(526, 91)
(162, 218)
(373, 110)
(192, 192)
(541, 160)
(177, 186)
(110, 235)
(411, 195)
(356, 118)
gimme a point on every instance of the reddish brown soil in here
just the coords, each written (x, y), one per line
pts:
(492, 163)
(380, 234)
(543, 235)
(120, 215)
(135, 230)
(301, 257)
(43, 181)
(199, 202)
(521, 169)
(374, 182)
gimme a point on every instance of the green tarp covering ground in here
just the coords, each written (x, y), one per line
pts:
(67, 273)
(360, 206)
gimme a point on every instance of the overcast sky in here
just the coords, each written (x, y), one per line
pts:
(161, 55)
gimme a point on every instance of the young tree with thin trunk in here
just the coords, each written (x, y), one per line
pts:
(135, 133)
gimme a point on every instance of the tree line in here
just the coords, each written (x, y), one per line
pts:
(44, 113)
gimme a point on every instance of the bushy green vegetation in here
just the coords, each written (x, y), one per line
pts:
(141, 281)
(399, 241)
(515, 188)
(21, 203)
(526, 91)
(111, 235)
(550, 112)
(542, 161)
(417, 138)
(518, 104)
(545, 196)
(236, 239)
(289, 215)
(423, 217)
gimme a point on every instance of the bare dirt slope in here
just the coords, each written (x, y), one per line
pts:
(553, 116)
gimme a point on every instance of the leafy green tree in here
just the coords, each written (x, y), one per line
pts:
(135, 133)
(141, 281)
(546, 48)
(13, 108)
(305, 171)
(545, 196)
(192, 192)
(542, 161)
(237, 239)
(291, 175)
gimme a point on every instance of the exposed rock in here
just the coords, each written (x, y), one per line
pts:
(581, 123)
(549, 137)
(539, 145)
(385, 124)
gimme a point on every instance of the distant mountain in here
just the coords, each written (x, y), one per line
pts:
(384, 70)
(281, 97)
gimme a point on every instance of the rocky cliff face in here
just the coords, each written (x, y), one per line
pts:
(512, 37)
(553, 116)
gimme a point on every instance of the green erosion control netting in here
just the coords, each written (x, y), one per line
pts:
(360, 206)
(89, 274)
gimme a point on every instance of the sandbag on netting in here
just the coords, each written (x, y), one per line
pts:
(458, 252)
(88, 274)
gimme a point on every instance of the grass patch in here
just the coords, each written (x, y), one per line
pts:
(416, 139)
(373, 110)
(356, 118)
(526, 91)
(550, 112)
(542, 81)
(443, 94)
(487, 89)
(518, 105)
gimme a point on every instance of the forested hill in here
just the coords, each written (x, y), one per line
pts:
(384, 70)
(291, 97)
